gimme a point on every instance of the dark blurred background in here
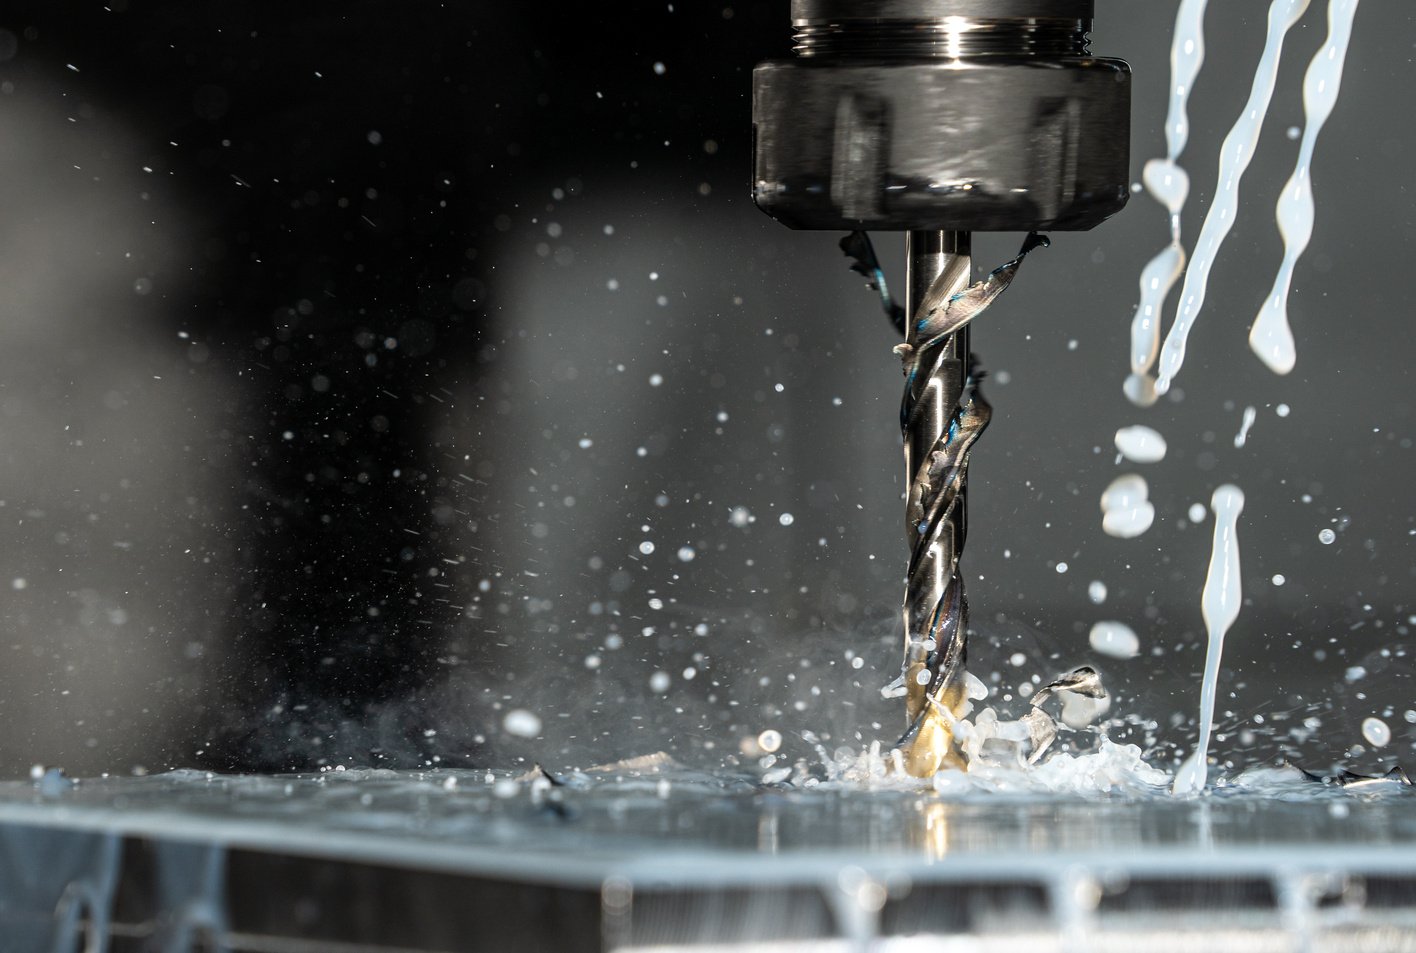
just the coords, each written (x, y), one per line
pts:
(377, 370)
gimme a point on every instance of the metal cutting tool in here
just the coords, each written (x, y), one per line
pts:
(939, 118)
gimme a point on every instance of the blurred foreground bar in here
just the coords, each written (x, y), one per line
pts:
(385, 862)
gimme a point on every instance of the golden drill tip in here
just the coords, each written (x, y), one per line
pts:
(932, 748)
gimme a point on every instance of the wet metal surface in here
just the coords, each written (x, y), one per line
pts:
(669, 859)
(732, 822)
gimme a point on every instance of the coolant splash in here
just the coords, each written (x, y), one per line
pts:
(998, 764)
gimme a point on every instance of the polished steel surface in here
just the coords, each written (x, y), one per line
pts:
(960, 145)
(928, 255)
(914, 9)
(938, 263)
(956, 29)
(942, 114)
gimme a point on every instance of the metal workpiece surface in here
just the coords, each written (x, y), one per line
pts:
(670, 858)
(652, 820)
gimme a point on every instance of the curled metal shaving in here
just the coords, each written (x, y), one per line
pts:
(858, 248)
(1042, 727)
(941, 313)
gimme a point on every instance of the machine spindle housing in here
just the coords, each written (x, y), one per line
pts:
(961, 115)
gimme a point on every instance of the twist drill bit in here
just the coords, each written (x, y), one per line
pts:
(939, 425)
(966, 115)
(942, 415)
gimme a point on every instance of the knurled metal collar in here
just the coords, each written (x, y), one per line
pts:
(806, 11)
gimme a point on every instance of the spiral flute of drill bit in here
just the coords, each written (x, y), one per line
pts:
(941, 418)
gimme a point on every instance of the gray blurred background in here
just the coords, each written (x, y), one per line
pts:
(595, 439)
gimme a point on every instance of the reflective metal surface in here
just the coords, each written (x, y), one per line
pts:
(941, 114)
(660, 857)
(921, 145)
(939, 262)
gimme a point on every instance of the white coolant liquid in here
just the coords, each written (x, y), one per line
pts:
(994, 766)
(1125, 505)
(1377, 732)
(1116, 639)
(1219, 604)
(1242, 437)
(1168, 184)
(1126, 509)
(1234, 158)
(1140, 444)
(1271, 337)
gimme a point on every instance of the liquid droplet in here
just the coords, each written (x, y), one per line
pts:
(1115, 639)
(1242, 437)
(1126, 510)
(1140, 390)
(1377, 732)
(522, 723)
(1140, 444)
